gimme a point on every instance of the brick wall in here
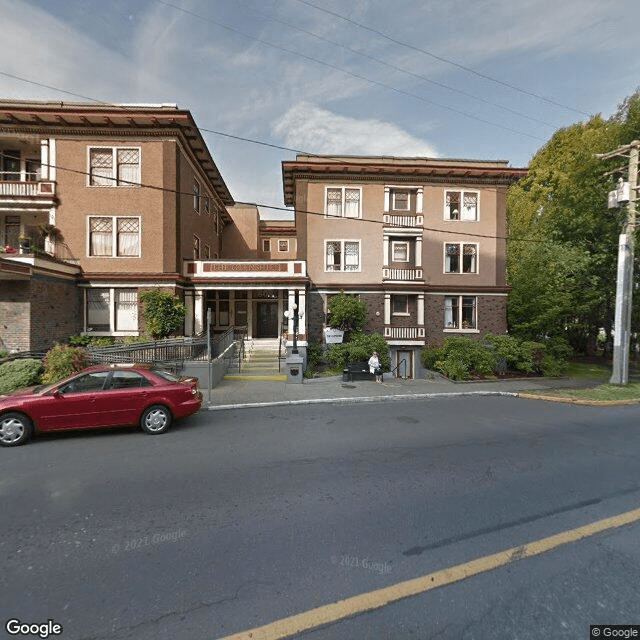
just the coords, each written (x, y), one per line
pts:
(492, 318)
(36, 314)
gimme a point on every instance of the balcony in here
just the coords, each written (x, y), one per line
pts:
(403, 222)
(404, 333)
(402, 275)
(246, 269)
(16, 194)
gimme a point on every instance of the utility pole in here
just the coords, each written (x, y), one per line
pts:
(624, 282)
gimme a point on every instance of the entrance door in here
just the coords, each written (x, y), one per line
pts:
(267, 320)
(404, 364)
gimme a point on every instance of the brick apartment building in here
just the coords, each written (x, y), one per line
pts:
(421, 241)
(99, 202)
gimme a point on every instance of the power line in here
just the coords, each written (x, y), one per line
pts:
(294, 211)
(396, 67)
(442, 59)
(349, 73)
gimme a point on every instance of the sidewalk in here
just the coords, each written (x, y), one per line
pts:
(235, 394)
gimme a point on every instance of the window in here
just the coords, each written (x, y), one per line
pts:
(283, 245)
(400, 251)
(461, 205)
(124, 379)
(207, 252)
(196, 196)
(460, 312)
(207, 205)
(112, 310)
(9, 164)
(342, 255)
(114, 236)
(266, 244)
(114, 167)
(89, 382)
(400, 305)
(343, 202)
(460, 258)
(196, 248)
(400, 200)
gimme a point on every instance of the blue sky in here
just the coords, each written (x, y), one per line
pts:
(295, 73)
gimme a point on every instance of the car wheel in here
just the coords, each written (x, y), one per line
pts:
(156, 419)
(15, 429)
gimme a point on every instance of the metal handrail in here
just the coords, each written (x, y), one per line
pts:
(402, 362)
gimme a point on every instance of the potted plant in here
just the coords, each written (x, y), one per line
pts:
(50, 231)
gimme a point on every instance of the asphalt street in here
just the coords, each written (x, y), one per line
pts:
(235, 519)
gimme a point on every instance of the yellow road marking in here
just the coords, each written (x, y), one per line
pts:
(348, 607)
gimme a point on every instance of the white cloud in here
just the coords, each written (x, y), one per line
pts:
(311, 128)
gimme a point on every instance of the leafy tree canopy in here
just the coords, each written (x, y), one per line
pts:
(346, 312)
(164, 314)
(562, 251)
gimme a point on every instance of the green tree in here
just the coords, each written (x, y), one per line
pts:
(562, 251)
(164, 314)
(346, 312)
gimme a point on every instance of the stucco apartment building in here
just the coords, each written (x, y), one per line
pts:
(422, 241)
(100, 202)
(126, 193)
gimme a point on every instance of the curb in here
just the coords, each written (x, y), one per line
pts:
(579, 401)
(357, 399)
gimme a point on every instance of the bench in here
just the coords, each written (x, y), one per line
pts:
(358, 371)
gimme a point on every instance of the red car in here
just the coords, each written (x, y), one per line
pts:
(103, 396)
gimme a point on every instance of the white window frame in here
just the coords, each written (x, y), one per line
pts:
(114, 237)
(448, 327)
(344, 190)
(394, 192)
(461, 246)
(394, 297)
(207, 252)
(196, 247)
(266, 245)
(343, 257)
(207, 204)
(461, 193)
(113, 315)
(286, 241)
(114, 180)
(397, 243)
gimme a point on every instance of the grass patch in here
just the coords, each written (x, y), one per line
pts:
(588, 371)
(603, 393)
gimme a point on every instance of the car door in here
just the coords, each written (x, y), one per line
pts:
(76, 403)
(127, 393)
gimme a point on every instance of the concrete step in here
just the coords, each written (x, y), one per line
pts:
(276, 377)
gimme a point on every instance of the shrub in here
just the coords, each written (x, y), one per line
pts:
(551, 366)
(19, 373)
(314, 355)
(460, 356)
(90, 341)
(359, 347)
(429, 356)
(63, 360)
(520, 355)
(3, 353)
(346, 312)
(164, 314)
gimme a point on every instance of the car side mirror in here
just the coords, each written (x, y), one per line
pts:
(56, 393)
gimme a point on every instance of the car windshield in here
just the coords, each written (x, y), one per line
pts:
(166, 375)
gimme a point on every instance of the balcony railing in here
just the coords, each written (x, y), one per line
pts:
(392, 220)
(21, 189)
(402, 274)
(404, 333)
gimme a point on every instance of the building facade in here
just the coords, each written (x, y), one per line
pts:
(421, 241)
(99, 203)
